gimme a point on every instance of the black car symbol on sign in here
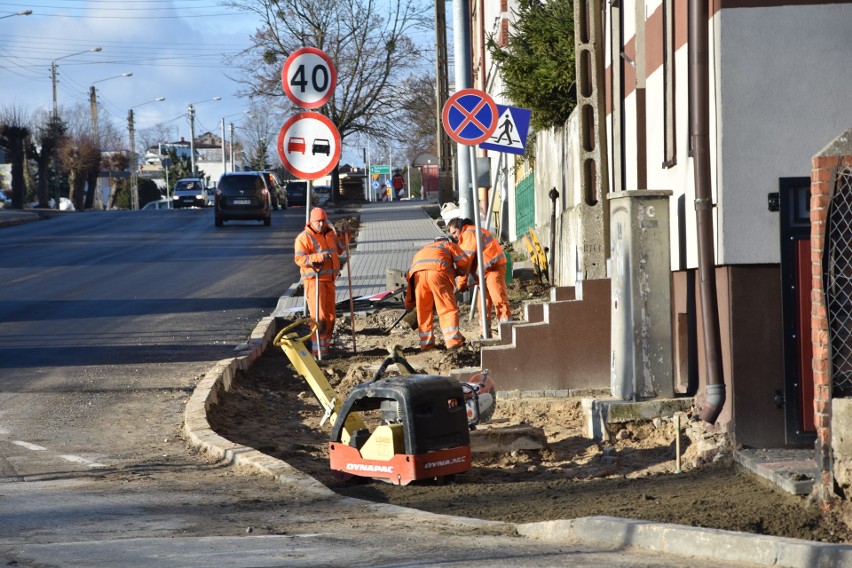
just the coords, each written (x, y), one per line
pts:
(321, 146)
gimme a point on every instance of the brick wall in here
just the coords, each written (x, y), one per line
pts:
(825, 167)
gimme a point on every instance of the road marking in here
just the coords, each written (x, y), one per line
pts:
(71, 458)
(78, 459)
(29, 446)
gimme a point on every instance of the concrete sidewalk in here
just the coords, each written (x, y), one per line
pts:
(17, 216)
(389, 236)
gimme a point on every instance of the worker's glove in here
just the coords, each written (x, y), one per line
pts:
(409, 307)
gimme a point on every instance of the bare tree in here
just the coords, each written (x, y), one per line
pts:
(79, 156)
(368, 41)
(418, 102)
(14, 137)
(116, 162)
(83, 161)
(259, 133)
(153, 136)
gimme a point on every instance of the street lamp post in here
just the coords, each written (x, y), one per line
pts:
(131, 127)
(231, 132)
(53, 74)
(93, 105)
(190, 110)
(21, 13)
(224, 159)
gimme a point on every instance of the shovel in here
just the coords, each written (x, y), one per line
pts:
(396, 322)
(316, 312)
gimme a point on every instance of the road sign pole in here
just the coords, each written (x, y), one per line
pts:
(372, 193)
(477, 219)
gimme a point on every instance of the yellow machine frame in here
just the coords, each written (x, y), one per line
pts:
(300, 356)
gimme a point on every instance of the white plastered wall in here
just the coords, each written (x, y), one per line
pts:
(785, 76)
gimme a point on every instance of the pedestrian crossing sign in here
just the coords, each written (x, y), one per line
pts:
(513, 124)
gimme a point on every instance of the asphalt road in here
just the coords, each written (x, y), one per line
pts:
(100, 306)
(107, 321)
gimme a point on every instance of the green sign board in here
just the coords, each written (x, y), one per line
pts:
(380, 169)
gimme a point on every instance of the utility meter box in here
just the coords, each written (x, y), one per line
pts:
(641, 341)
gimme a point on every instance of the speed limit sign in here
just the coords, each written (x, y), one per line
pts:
(309, 77)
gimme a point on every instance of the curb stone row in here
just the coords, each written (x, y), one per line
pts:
(610, 532)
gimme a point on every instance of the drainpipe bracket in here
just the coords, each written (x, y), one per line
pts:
(702, 203)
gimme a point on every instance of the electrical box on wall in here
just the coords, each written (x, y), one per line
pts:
(641, 341)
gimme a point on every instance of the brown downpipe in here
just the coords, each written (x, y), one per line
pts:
(699, 132)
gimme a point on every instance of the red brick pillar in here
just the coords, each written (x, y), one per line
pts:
(823, 179)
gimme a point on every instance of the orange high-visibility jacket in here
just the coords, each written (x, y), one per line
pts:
(443, 256)
(310, 247)
(492, 252)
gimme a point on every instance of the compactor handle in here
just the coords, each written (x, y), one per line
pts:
(280, 336)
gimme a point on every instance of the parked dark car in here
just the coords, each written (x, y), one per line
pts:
(297, 192)
(242, 196)
(276, 190)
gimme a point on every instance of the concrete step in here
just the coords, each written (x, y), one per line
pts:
(791, 470)
(549, 350)
(491, 439)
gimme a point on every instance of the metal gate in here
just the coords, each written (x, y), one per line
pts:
(525, 204)
(798, 394)
(837, 282)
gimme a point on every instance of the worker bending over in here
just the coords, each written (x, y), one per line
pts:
(493, 262)
(317, 252)
(431, 285)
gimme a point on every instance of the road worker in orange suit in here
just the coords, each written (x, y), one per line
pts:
(431, 284)
(317, 252)
(493, 262)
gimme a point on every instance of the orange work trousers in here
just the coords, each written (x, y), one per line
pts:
(326, 316)
(498, 297)
(434, 289)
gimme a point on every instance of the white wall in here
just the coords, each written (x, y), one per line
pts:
(775, 120)
(505, 181)
(780, 79)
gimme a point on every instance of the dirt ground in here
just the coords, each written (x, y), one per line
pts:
(272, 409)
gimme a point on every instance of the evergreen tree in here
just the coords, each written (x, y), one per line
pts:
(537, 65)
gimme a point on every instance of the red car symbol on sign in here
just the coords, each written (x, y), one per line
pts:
(296, 144)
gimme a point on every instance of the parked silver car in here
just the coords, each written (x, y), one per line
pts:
(190, 192)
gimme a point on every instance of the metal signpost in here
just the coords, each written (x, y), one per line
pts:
(470, 117)
(309, 142)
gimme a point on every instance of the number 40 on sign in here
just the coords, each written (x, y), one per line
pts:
(308, 77)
